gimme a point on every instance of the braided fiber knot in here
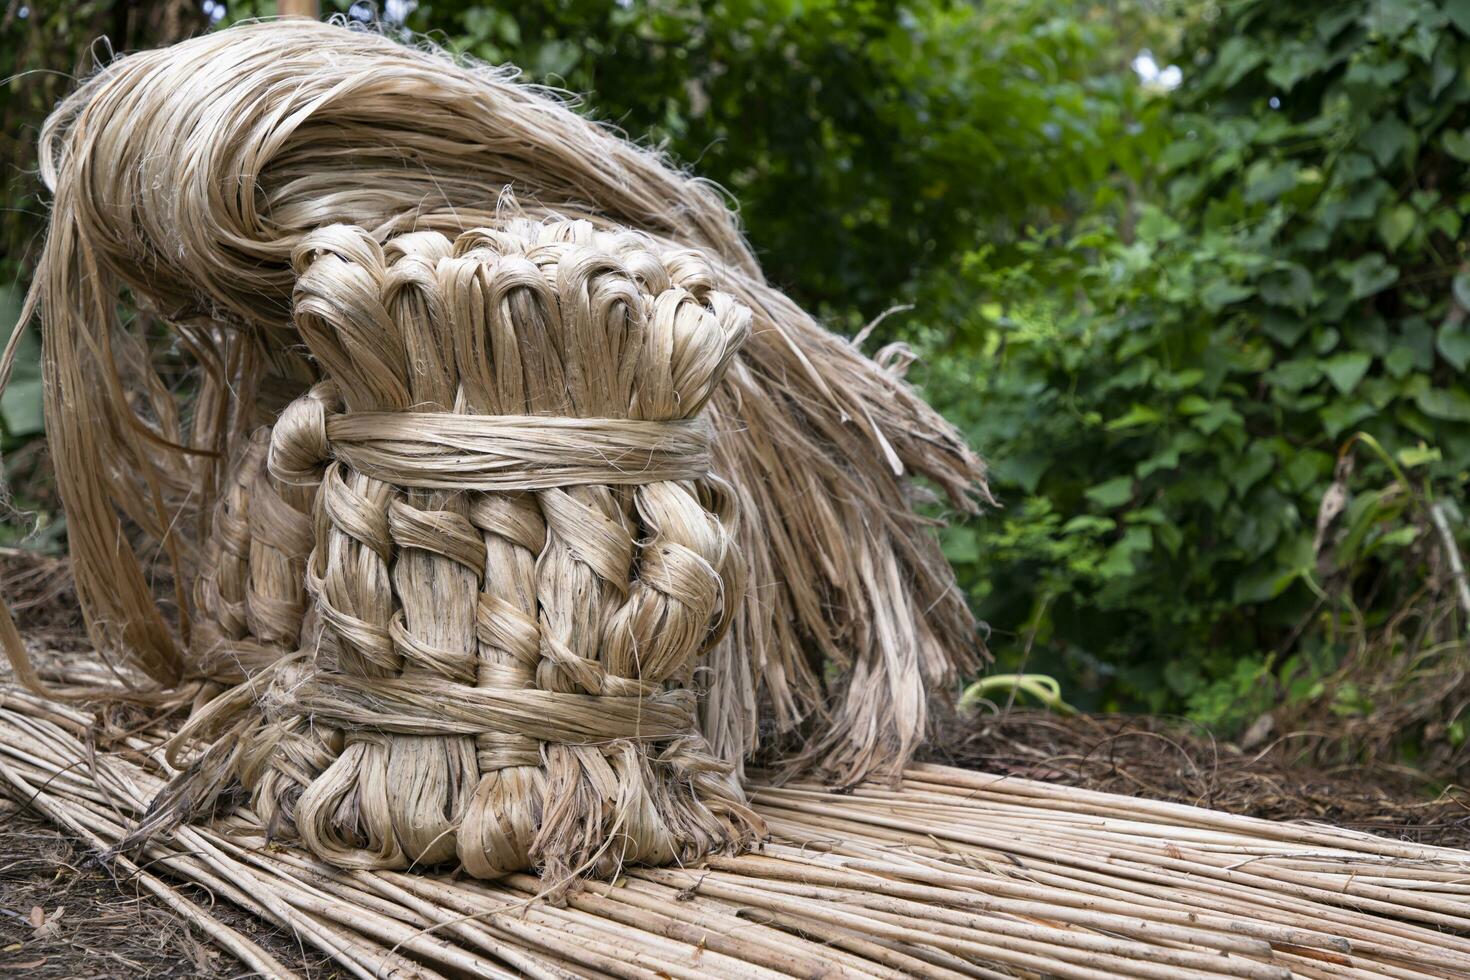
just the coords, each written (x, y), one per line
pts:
(518, 555)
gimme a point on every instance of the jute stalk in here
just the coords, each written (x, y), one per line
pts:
(870, 885)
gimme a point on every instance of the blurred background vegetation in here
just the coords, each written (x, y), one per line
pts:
(1191, 274)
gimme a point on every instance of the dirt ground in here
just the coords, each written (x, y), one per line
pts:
(63, 914)
(1168, 759)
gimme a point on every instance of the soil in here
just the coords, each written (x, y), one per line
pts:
(63, 914)
(1169, 759)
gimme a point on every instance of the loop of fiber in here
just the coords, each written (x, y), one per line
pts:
(212, 187)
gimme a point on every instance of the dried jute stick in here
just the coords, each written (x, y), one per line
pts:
(519, 556)
(872, 884)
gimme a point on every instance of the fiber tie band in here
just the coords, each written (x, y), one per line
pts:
(448, 451)
(413, 707)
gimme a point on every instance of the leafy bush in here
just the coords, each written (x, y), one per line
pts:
(1166, 382)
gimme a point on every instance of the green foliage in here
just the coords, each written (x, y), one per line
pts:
(1166, 380)
(20, 405)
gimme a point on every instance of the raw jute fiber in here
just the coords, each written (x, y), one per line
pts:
(518, 555)
(197, 190)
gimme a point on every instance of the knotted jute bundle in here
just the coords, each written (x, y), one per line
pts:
(518, 555)
(196, 192)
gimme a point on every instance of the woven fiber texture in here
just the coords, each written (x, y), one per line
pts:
(187, 183)
(517, 554)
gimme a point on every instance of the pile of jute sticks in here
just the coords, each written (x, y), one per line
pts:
(950, 874)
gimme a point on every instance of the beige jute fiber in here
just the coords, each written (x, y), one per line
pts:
(343, 429)
(518, 556)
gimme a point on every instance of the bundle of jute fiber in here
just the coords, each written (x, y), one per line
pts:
(519, 551)
(185, 180)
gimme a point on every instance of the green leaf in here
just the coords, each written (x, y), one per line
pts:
(1290, 286)
(1156, 226)
(1371, 274)
(1024, 469)
(1399, 362)
(1449, 404)
(1264, 584)
(1352, 167)
(1148, 515)
(1135, 416)
(1458, 12)
(1446, 221)
(1346, 370)
(1285, 330)
(1304, 468)
(961, 545)
(1219, 415)
(1420, 455)
(21, 407)
(1456, 143)
(1461, 289)
(1266, 181)
(1453, 342)
(1332, 21)
(1293, 62)
(1395, 224)
(555, 58)
(1112, 493)
(1182, 443)
(1365, 73)
(1342, 415)
(1179, 380)
(1443, 70)
(1221, 293)
(1397, 538)
(1236, 58)
(1418, 336)
(1120, 560)
(1088, 524)
(1387, 138)
(1192, 405)
(1296, 374)
(1249, 469)
(1392, 18)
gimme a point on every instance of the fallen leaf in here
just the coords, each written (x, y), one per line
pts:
(1258, 732)
(49, 925)
(1334, 501)
(203, 958)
